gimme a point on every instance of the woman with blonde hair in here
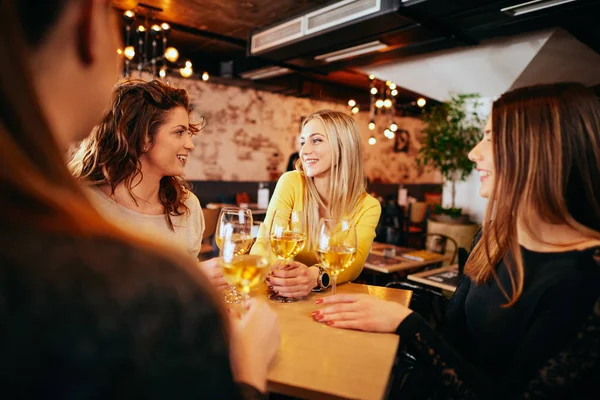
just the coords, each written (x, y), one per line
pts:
(524, 321)
(88, 310)
(329, 182)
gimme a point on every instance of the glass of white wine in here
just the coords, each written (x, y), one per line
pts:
(242, 271)
(336, 246)
(287, 237)
(240, 225)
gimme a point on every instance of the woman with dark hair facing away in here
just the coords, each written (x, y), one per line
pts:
(88, 310)
(525, 319)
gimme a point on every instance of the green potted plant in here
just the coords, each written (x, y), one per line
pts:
(453, 129)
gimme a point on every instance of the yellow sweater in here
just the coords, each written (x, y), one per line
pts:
(288, 195)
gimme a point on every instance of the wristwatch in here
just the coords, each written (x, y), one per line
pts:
(323, 279)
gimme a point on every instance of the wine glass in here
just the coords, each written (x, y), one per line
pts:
(240, 270)
(240, 222)
(287, 237)
(336, 246)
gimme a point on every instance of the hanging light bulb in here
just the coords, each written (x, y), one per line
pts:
(392, 86)
(188, 64)
(351, 103)
(421, 102)
(371, 77)
(394, 92)
(129, 52)
(171, 54)
(355, 110)
(119, 51)
(388, 83)
(141, 28)
(387, 103)
(388, 134)
(379, 103)
(165, 26)
(162, 72)
(371, 125)
(205, 76)
(372, 140)
(393, 127)
(373, 90)
(186, 72)
(128, 16)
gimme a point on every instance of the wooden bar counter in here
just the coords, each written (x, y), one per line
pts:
(318, 361)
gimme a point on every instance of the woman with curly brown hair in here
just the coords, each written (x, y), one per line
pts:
(134, 163)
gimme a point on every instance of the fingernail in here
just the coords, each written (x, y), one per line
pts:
(319, 317)
(319, 301)
(268, 279)
(315, 313)
(329, 323)
(270, 287)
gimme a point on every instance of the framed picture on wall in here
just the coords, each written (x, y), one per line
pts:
(402, 141)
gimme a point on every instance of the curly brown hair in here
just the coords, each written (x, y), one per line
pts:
(111, 154)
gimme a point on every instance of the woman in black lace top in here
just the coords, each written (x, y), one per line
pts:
(524, 320)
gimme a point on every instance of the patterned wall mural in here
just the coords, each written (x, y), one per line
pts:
(250, 134)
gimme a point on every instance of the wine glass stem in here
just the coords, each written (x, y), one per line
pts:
(333, 284)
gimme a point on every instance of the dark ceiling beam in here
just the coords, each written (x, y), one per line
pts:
(437, 26)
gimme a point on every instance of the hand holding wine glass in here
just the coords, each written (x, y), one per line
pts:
(336, 246)
(287, 238)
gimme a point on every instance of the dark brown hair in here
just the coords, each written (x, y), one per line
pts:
(111, 154)
(546, 146)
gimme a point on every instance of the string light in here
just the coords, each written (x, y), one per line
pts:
(129, 52)
(355, 110)
(171, 54)
(371, 125)
(387, 103)
(351, 103)
(205, 76)
(187, 71)
(373, 90)
(421, 102)
(372, 140)
(162, 73)
(393, 127)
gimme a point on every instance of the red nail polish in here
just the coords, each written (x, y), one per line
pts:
(319, 317)
(329, 323)
(319, 301)
(315, 313)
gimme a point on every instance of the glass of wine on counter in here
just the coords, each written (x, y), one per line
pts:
(239, 222)
(287, 238)
(336, 247)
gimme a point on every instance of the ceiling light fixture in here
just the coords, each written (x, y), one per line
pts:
(532, 6)
(352, 51)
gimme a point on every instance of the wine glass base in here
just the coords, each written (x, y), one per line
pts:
(281, 299)
(232, 297)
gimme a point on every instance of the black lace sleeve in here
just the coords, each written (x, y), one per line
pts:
(565, 372)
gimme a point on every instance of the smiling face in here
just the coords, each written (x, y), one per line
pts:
(171, 146)
(483, 155)
(315, 150)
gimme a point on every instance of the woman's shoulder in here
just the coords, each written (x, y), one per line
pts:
(290, 181)
(191, 201)
(290, 177)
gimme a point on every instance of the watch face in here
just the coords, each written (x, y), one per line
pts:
(325, 280)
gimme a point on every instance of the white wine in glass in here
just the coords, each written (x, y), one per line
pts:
(287, 238)
(242, 271)
(239, 223)
(336, 247)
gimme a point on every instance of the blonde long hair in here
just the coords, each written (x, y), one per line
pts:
(347, 185)
(546, 144)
